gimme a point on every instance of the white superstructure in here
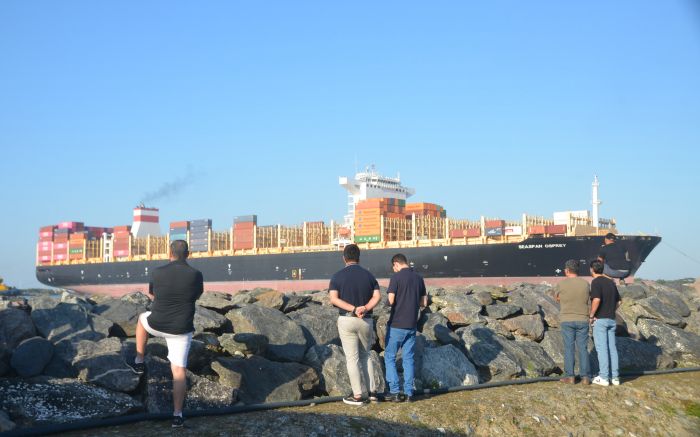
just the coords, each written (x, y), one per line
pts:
(371, 185)
(145, 222)
(595, 201)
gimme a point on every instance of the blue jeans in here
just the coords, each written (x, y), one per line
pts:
(604, 339)
(406, 340)
(575, 334)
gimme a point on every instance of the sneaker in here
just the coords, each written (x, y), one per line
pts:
(600, 381)
(178, 422)
(394, 397)
(615, 381)
(373, 398)
(352, 400)
(138, 368)
(568, 380)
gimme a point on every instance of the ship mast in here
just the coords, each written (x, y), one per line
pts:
(595, 202)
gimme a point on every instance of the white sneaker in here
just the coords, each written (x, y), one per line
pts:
(600, 381)
(615, 381)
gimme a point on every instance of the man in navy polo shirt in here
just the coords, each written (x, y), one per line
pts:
(406, 296)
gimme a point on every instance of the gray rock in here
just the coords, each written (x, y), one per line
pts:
(216, 301)
(329, 362)
(31, 356)
(635, 355)
(484, 297)
(286, 341)
(682, 346)
(502, 311)
(68, 321)
(206, 320)
(208, 338)
(271, 299)
(319, 324)
(553, 345)
(460, 310)
(674, 300)
(531, 357)
(654, 306)
(626, 318)
(321, 298)
(632, 291)
(202, 394)
(199, 356)
(243, 297)
(526, 301)
(435, 327)
(693, 323)
(487, 351)
(381, 328)
(295, 302)
(43, 302)
(15, 326)
(101, 363)
(5, 423)
(495, 291)
(138, 298)
(122, 313)
(244, 344)
(499, 328)
(82, 301)
(5, 355)
(281, 381)
(43, 400)
(529, 326)
(446, 366)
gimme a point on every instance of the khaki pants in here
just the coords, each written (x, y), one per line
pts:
(357, 338)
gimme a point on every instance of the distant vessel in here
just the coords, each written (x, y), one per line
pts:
(445, 251)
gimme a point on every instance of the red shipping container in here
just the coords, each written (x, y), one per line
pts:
(536, 229)
(73, 226)
(60, 245)
(126, 228)
(121, 253)
(243, 226)
(495, 223)
(180, 224)
(60, 256)
(472, 232)
(555, 229)
(47, 228)
(456, 233)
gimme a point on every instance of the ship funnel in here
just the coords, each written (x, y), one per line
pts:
(145, 222)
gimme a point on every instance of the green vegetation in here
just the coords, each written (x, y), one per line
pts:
(692, 408)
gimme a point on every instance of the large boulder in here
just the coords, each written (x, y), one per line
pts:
(244, 344)
(243, 297)
(659, 310)
(632, 291)
(206, 320)
(381, 328)
(531, 357)
(202, 394)
(496, 291)
(68, 321)
(682, 346)
(693, 323)
(261, 380)
(15, 326)
(527, 301)
(460, 310)
(216, 301)
(43, 400)
(319, 324)
(31, 356)
(487, 351)
(502, 311)
(446, 366)
(553, 345)
(286, 340)
(198, 358)
(499, 328)
(529, 326)
(101, 363)
(123, 313)
(295, 302)
(436, 327)
(635, 355)
(329, 361)
(483, 297)
(675, 301)
(138, 298)
(271, 299)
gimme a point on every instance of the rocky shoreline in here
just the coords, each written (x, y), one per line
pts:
(65, 359)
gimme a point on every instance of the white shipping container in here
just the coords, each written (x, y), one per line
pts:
(563, 217)
(514, 230)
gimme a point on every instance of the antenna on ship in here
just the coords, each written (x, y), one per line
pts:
(595, 202)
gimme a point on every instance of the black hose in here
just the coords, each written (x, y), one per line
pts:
(81, 425)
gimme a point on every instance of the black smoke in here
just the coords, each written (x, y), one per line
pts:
(171, 188)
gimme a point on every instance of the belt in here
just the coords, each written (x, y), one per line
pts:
(351, 314)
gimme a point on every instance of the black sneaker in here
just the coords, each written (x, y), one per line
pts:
(138, 368)
(373, 397)
(352, 400)
(178, 422)
(409, 398)
(395, 397)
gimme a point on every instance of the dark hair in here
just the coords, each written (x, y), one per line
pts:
(399, 258)
(351, 253)
(572, 265)
(610, 236)
(179, 250)
(597, 267)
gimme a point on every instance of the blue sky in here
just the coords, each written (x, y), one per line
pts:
(488, 108)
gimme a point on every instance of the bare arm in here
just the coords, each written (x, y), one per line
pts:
(392, 298)
(376, 297)
(424, 301)
(595, 303)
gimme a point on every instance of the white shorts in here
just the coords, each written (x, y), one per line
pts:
(178, 345)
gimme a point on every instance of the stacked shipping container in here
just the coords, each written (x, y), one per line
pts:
(45, 245)
(368, 217)
(199, 235)
(178, 230)
(244, 231)
(121, 241)
(423, 208)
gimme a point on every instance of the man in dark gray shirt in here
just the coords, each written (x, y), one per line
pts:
(175, 288)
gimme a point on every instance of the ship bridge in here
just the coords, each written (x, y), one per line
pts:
(371, 185)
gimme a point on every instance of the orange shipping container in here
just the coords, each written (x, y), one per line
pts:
(536, 229)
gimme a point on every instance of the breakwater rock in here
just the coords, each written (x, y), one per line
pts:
(69, 353)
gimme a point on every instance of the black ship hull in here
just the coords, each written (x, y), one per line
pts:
(533, 258)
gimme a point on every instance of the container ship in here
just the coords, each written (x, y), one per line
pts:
(446, 251)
